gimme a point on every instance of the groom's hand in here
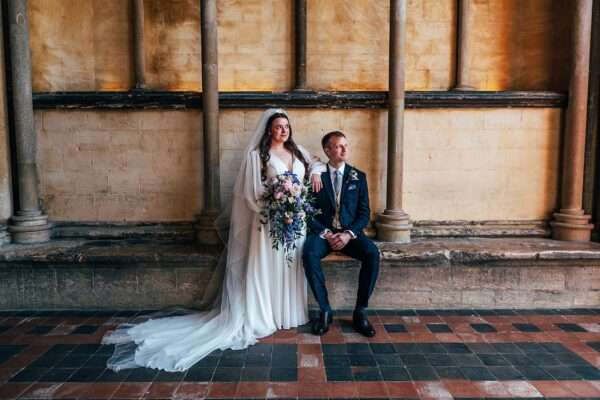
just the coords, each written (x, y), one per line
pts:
(317, 184)
(339, 240)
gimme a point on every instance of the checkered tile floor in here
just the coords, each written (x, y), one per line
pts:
(435, 354)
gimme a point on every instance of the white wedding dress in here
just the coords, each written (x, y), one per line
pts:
(261, 291)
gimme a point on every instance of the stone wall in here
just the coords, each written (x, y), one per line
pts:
(460, 164)
(86, 45)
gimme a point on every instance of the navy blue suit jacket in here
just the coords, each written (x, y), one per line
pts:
(354, 203)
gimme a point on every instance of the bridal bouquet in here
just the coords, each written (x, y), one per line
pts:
(287, 207)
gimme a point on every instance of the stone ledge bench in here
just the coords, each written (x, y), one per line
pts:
(446, 273)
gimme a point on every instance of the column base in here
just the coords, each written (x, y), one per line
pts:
(570, 227)
(27, 228)
(4, 235)
(393, 226)
(206, 231)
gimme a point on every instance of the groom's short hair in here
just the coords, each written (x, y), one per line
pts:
(329, 135)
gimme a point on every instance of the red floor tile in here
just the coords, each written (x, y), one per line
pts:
(343, 390)
(252, 389)
(401, 389)
(581, 388)
(432, 390)
(309, 348)
(462, 388)
(522, 389)
(372, 389)
(313, 390)
(282, 390)
(222, 390)
(311, 375)
(12, 390)
(551, 389)
(132, 390)
(41, 390)
(492, 389)
(161, 390)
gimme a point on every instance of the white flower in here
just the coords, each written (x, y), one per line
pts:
(353, 175)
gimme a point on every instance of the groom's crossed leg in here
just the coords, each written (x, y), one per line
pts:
(361, 248)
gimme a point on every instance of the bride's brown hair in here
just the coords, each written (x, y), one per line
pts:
(265, 145)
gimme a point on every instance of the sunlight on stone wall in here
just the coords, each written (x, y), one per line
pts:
(521, 44)
(119, 166)
(86, 45)
(466, 164)
(348, 45)
(80, 45)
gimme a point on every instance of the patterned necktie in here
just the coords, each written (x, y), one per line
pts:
(337, 183)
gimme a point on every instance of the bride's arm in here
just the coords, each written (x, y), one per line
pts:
(315, 167)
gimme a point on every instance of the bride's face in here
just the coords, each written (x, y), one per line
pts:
(280, 130)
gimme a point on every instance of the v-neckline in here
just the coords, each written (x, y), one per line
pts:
(283, 163)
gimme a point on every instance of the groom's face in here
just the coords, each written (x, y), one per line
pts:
(337, 149)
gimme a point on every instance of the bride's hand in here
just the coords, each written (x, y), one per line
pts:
(317, 184)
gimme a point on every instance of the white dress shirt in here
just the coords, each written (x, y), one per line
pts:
(332, 171)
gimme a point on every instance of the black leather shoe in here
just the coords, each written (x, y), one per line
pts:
(320, 325)
(361, 324)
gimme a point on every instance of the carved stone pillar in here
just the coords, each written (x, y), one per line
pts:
(570, 222)
(28, 224)
(138, 44)
(300, 44)
(205, 229)
(393, 224)
(463, 45)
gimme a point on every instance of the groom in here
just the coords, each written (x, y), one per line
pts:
(344, 205)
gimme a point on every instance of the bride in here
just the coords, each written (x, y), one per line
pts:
(261, 292)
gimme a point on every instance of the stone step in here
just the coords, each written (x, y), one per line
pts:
(448, 273)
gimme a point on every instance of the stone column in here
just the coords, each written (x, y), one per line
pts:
(300, 44)
(569, 222)
(5, 170)
(393, 224)
(205, 229)
(28, 223)
(463, 45)
(138, 44)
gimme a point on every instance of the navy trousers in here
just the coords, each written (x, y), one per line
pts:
(361, 249)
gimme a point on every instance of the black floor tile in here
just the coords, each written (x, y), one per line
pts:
(96, 361)
(477, 373)
(199, 375)
(407, 348)
(571, 327)
(41, 329)
(339, 374)
(388, 359)
(284, 374)
(86, 375)
(426, 313)
(334, 349)
(336, 361)
(394, 374)
(142, 375)
(227, 374)
(555, 348)
(526, 327)
(482, 348)
(362, 360)
(29, 375)
(544, 359)
(284, 360)
(258, 360)
(518, 359)
(495, 360)
(165, 376)
(86, 349)
(466, 360)
(260, 348)
(531, 372)
(531, 347)
(366, 374)
(422, 372)
(432, 348)
(212, 362)
(5, 328)
(443, 360)
(588, 373)
(285, 349)
(57, 375)
(562, 373)
(111, 376)
(395, 328)
(106, 349)
(483, 328)
(73, 361)
(594, 345)
(256, 374)
(571, 359)
(232, 360)
(456, 348)
(439, 328)
(85, 330)
(358, 348)
(382, 348)
(414, 359)
(449, 373)
(506, 373)
(507, 348)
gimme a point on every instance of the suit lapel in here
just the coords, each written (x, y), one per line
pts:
(326, 178)
(345, 180)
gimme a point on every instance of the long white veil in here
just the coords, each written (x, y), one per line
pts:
(175, 343)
